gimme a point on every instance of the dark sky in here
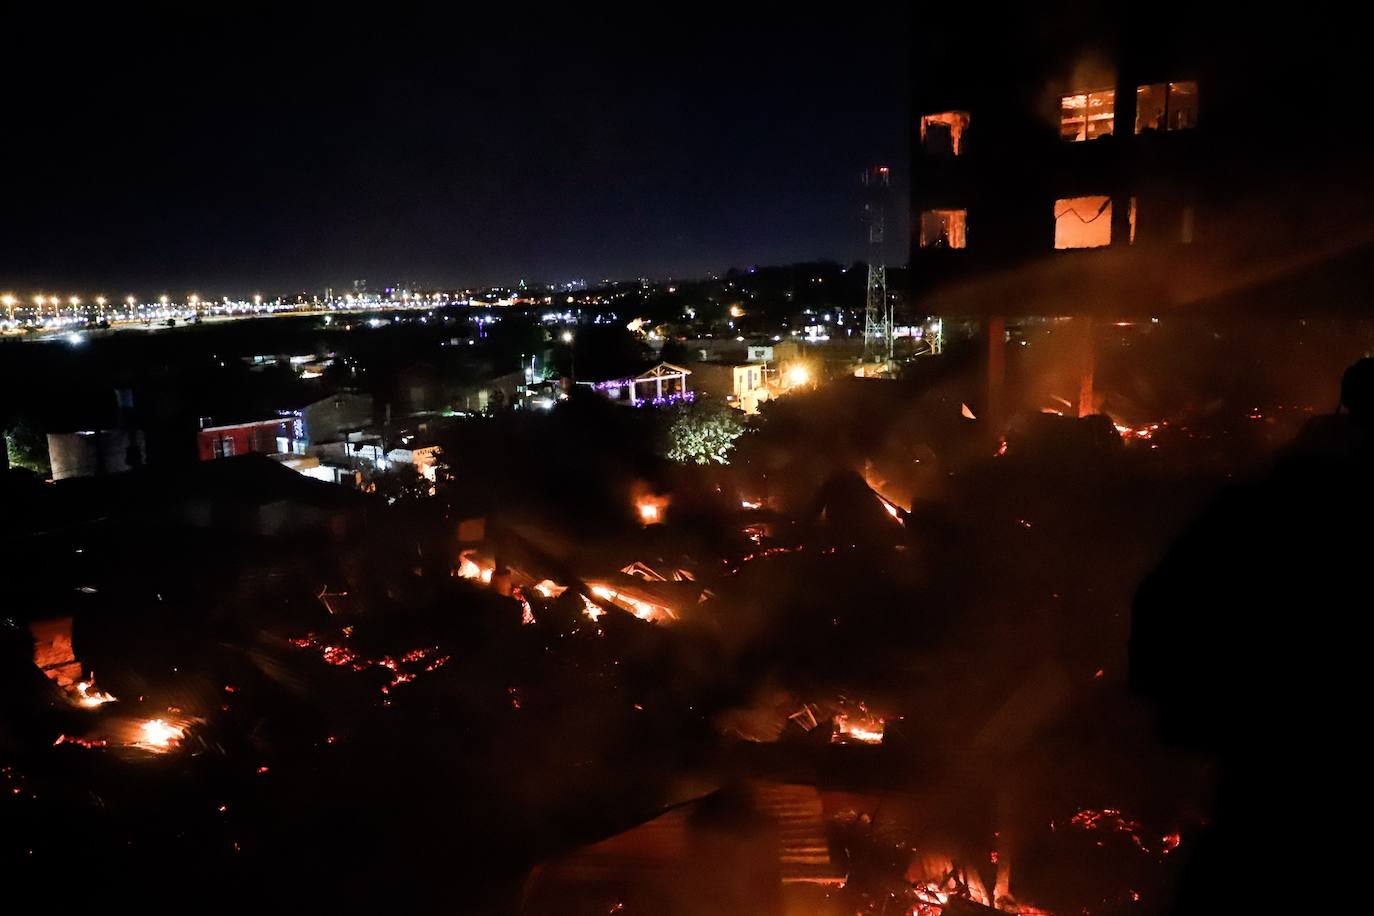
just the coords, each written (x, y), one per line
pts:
(182, 148)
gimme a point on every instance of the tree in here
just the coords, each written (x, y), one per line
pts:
(28, 448)
(704, 434)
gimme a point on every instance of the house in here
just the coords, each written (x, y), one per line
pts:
(256, 437)
(742, 385)
(292, 432)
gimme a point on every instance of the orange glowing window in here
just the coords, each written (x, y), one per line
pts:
(942, 134)
(1083, 222)
(1087, 115)
(1166, 106)
(944, 228)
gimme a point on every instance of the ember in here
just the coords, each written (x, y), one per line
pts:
(342, 656)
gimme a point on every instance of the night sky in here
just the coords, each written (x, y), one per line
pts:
(179, 148)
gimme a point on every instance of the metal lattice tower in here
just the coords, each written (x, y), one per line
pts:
(877, 308)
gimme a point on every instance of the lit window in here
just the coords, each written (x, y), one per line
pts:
(942, 134)
(1083, 222)
(1087, 115)
(1166, 106)
(943, 228)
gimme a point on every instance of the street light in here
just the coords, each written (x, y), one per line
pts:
(572, 354)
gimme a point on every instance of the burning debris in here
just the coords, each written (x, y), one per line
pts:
(402, 670)
(641, 607)
(86, 694)
(862, 729)
(469, 568)
(1112, 821)
(159, 735)
(591, 609)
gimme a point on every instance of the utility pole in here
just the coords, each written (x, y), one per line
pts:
(877, 308)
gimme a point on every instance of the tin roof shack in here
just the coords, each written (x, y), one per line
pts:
(330, 419)
(247, 494)
(492, 393)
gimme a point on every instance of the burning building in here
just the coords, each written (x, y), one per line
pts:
(1104, 166)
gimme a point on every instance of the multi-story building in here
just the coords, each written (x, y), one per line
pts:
(1106, 166)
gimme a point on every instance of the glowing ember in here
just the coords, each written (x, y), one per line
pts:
(750, 504)
(155, 733)
(644, 610)
(526, 612)
(342, 656)
(1110, 820)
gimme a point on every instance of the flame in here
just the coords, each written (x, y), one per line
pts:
(593, 610)
(157, 734)
(865, 729)
(550, 589)
(651, 508)
(468, 568)
(1146, 431)
(88, 696)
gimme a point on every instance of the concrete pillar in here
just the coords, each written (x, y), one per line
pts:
(997, 373)
(1086, 364)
